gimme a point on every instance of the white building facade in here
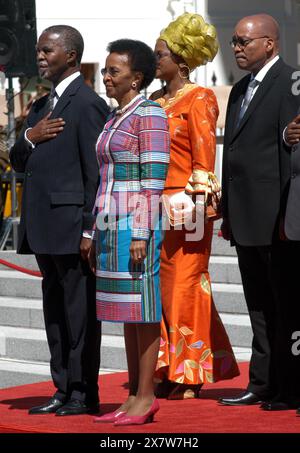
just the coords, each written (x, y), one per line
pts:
(101, 22)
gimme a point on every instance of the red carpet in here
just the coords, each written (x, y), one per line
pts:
(190, 416)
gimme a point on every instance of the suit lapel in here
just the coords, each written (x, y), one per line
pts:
(66, 97)
(262, 90)
(42, 107)
(236, 106)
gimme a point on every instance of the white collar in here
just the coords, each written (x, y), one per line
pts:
(65, 83)
(126, 107)
(262, 73)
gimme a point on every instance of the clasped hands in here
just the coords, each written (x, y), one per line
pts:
(45, 129)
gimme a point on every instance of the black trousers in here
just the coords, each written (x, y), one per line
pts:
(73, 333)
(272, 296)
(289, 324)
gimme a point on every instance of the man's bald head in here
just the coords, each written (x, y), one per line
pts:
(256, 41)
(261, 24)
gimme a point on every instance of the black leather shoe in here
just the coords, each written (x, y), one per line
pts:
(48, 408)
(77, 407)
(279, 406)
(244, 399)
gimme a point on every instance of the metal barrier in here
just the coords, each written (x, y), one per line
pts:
(9, 224)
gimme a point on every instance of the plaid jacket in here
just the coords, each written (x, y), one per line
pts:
(133, 154)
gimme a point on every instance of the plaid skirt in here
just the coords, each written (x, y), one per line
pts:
(127, 292)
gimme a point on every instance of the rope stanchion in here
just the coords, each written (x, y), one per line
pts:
(20, 268)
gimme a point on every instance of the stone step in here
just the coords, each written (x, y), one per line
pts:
(21, 312)
(27, 261)
(28, 313)
(24, 355)
(18, 284)
(20, 372)
(238, 328)
(15, 372)
(30, 344)
(220, 247)
(229, 298)
(217, 225)
(224, 269)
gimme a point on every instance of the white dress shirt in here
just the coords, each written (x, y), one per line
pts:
(262, 73)
(260, 76)
(61, 87)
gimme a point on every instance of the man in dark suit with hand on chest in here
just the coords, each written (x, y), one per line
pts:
(56, 152)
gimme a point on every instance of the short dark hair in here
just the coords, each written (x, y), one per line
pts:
(141, 57)
(72, 39)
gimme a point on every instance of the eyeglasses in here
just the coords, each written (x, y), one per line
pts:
(110, 71)
(242, 43)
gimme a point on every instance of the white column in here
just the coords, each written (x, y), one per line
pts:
(200, 74)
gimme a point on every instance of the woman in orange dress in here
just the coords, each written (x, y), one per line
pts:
(195, 348)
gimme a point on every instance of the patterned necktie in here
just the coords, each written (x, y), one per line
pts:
(50, 101)
(247, 99)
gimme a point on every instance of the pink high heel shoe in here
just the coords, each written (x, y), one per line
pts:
(109, 417)
(139, 419)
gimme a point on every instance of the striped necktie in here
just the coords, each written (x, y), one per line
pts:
(50, 101)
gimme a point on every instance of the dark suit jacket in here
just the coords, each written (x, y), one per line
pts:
(61, 174)
(292, 217)
(256, 162)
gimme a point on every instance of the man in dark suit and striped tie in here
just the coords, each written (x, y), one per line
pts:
(256, 174)
(57, 154)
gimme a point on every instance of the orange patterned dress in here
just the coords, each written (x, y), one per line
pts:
(194, 347)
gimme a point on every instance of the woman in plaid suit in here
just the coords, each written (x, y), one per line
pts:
(133, 154)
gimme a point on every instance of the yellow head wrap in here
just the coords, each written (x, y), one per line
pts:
(190, 37)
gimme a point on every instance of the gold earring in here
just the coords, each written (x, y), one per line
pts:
(186, 69)
(133, 85)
